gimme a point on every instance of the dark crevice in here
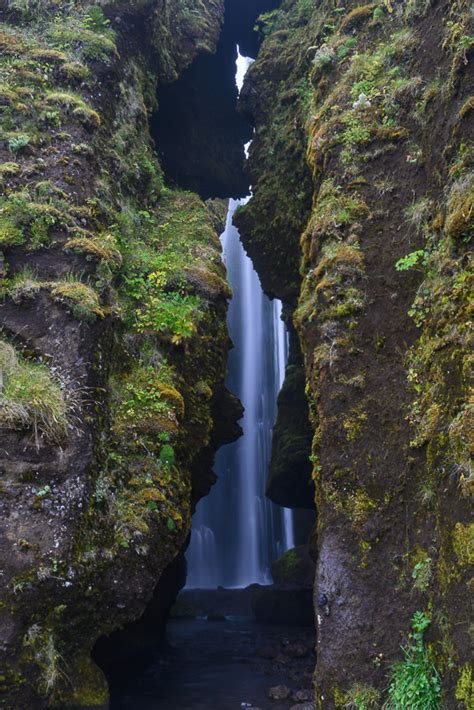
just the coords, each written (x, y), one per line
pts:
(198, 132)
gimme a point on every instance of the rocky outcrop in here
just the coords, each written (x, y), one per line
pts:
(377, 100)
(113, 345)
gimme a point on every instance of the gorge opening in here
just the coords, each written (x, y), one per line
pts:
(238, 533)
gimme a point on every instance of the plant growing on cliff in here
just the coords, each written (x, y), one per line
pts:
(95, 20)
(362, 697)
(30, 396)
(415, 682)
(411, 260)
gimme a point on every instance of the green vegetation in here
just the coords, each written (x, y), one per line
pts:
(422, 573)
(17, 143)
(465, 687)
(95, 20)
(415, 258)
(166, 288)
(31, 397)
(415, 681)
(361, 697)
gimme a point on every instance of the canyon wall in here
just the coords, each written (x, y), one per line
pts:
(113, 345)
(361, 220)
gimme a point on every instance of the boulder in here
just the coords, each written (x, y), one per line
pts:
(279, 692)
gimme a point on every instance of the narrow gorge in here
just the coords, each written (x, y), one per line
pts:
(236, 472)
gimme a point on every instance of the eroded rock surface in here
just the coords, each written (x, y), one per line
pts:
(113, 345)
(371, 245)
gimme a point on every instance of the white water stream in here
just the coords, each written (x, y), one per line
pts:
(237, 532)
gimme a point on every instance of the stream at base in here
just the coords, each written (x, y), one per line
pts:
(229, 664)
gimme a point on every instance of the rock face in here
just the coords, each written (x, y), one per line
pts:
(113, 345)
(289, 480)
(361, 216)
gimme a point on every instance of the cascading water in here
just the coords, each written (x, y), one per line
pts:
(237, 532)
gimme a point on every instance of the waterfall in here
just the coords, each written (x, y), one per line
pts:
(237, 532)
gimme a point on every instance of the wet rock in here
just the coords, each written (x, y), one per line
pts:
(295, 567)
(303, 695)
(279, 692)
(302, 706)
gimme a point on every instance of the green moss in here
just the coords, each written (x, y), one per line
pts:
(89, 118)
(460, 209)
(102, 246)
(74, 72)
(463, 543)
(146, 402)
(358, 15)
(287, 569)
(86, 686)
(84, 300)
(48, 56)
(353, 423)
(465, 687)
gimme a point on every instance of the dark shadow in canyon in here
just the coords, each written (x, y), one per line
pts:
(198, 132)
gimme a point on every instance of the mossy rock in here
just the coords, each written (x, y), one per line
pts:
(295, 567)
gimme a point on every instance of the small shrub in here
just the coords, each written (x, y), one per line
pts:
(10, 234)
(325, 56)
(95, 20)
(415, 682)
(17, 143)
(167, 455)
(415, 258)
(172, 314)
(422, 574)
